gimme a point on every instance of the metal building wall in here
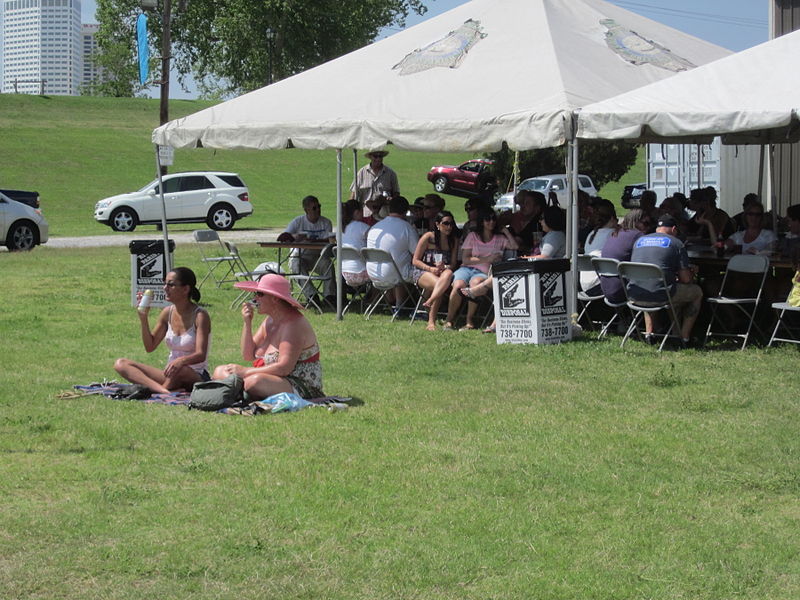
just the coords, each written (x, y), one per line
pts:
(785, 17)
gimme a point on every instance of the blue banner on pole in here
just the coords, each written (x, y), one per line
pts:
(144, 48)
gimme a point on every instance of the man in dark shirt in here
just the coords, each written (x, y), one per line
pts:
(665, 250)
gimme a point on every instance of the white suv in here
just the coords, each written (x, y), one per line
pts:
(547, 184)
(21, 226)
(218, 199)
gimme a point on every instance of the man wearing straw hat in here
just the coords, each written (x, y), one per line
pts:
(375, 184)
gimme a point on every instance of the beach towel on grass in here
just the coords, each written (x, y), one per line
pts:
(110, 388)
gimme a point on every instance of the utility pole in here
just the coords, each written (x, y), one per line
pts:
(166, 54)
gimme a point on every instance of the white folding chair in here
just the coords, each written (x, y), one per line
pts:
(386, 264)
(739, 266)
(586, 298)
(650, 277)
(789, 321)
(216, 256)
(311, 286)
(608, 267)
(358, 293)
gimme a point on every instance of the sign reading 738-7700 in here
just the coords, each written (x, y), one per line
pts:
(532, 308)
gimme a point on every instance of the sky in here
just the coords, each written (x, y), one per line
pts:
(732, 24)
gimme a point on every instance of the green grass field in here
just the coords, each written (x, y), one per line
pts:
(77, 150)
(470, 471)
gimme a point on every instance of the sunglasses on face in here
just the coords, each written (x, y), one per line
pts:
(259, 294)
(448, 223)
(173, 284)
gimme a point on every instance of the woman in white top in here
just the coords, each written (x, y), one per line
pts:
(184, 327)
(354, 233)
(754, 239)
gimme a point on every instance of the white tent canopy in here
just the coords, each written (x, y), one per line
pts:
(751, 97)
(484, 73)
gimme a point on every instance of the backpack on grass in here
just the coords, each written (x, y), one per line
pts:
(217, 393)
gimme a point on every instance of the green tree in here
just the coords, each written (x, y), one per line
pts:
(225, 42)
(602, 161)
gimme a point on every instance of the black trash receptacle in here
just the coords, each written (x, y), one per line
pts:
(149, 269)
(531, 304)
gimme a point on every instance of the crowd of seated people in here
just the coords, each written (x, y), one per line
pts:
(450, 265)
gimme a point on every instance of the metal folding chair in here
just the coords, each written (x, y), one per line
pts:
(215, 254)
(242, 272)
(739, 265)
(587, 299)
(357, 293)
(652, 277)
(786, 313)
(608, 267)
(311, 287)
(384, 261)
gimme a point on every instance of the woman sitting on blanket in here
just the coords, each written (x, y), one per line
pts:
(284, 350)
(435, 259)
(184, 327)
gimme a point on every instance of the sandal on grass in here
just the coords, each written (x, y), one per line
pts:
(490, 330)
(467, 328)
(447, 327)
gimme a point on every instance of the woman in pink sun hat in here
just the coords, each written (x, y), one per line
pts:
(284, 351)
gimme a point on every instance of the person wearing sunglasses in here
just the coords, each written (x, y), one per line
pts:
(482, 248)
(434, 261)
(284, 352)
(186, 330)
(311, 226)
(754, 239)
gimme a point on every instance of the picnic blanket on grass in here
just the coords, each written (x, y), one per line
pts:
(110, 389)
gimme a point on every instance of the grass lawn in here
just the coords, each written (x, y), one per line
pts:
(470, 471)
(77, 150)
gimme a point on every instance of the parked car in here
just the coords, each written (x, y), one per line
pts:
(466, 180)
(218, 199)
(547, 184)
(29, 198)
(21, 227)
(631, 195)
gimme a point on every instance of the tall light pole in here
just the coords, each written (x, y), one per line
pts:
(270, 33)
(166, 51)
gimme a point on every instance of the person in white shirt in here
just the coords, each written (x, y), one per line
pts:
(354, 233)
(310, 226)
(398, 237)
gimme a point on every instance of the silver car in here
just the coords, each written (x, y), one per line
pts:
(546, 184)
(21, 226)
(216, 198)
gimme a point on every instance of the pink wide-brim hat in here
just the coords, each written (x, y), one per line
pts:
(271, 284)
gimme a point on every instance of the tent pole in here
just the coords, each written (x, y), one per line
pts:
(167, 261)
(338, 269)
(573, 215)
(699, 165)
(771, 186)
(761, 173)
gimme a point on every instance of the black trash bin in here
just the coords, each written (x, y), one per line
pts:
(531, 304)
(149, 269)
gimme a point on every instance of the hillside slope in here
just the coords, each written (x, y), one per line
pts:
(77, 150)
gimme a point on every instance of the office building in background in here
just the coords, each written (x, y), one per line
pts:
(42, 50)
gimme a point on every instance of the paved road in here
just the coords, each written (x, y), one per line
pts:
(122, 239)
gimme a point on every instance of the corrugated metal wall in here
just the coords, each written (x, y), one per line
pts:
(786, 158)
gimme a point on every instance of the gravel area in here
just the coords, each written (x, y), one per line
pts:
(122, 239)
